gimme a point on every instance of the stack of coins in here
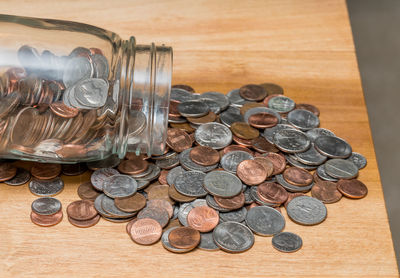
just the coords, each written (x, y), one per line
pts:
(46, 212)
(82, 214)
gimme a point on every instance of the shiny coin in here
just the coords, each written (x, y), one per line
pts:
(184, 238)
(203, 218)
(207, 242)
(45, 171)
(270, 132)
(205, 156)
(178, 140)
(272, 117)
(281, 104)
(278, 161)
(157, 213)
(297, 176)
(222, 184)
(131, 204)
(287, 242)
(214, 135)
(263, 120)
(181, 95)
(61, 109)
(46, 188)
(146, 231)
(100, 65)
(321, 172)
(232, 203)
(84, 223)
(76, 69)
(326, 192)
(233, 237)
(358, 159)
(244, 131)
(341, 168)
(168, 246)
(100, 176)
(46, 220)
(265, 221)
(266, 164)
(81, 210)
(132, 167)
(235, 99)
(251, 172)
(21, 177)
(303, 119)
(89, 93)
(316, 132)
(311, 157)
(291, 141)
(119, 186)
(332, 146)
(354, 189)
(306, 210)
(190, 184)
(46, 206)
(238, 215)
(86, 191)
(231, 160)
(193, 108)
(188, 164)
(228, 118)
(221, 99)
(253, 92)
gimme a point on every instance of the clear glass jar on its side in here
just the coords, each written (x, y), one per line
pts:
(73, 92)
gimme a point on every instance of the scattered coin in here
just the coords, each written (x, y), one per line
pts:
(146, 231)
(190, 183)
(46, 220)
(251, 172)
(86, 191)
(291, 141)
(252, 92)
(81, 210)
(74, 169)
(207, 242)
(306, 210)
(178, 140)
(184, 238)
(205, 156)
(303, 119)
(353, 188)
(100, 176)
(358, 159)
(168, 246)
(332, 146)
(132, 167)
(44, 171)
(287, 242)
(231, 160)
(297, 176)
(222, 184)
(341, 168)
(265, 221)
(84, 223)
(46, 188)
(233, 237)
(157, 213)
(21, 177)
(214, 135)
(232, 203)
(326, 191)
(244, 131)
(46, 206)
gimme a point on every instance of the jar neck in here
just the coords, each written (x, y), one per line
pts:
(144, 89)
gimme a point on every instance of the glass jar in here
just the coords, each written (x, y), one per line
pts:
(73, 92)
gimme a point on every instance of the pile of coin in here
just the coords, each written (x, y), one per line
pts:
(231, 164)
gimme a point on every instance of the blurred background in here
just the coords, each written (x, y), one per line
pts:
(375, 26)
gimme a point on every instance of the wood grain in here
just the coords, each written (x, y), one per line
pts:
(305, 46)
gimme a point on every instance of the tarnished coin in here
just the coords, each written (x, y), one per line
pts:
(214, 135)
(297, 176)
(184, 238)
(207, 242)
(281, 104)
(46, 220)
(131, 204)
(21, 177)
(279, 162)
(291, 141)
(205, 156)
(173, 173)
(341, 168)
(100, 176)
(253, 92)
(231, 160)
(181, 95)
(132, 167)
(193, 108)
(45, 171)
(175, 195)
(272, 89)
(46, 206)
(332, 146)
(189, 164)
(316, 132)
(326, 191)
(210, 117)
(184, 87)
(232, 203)
(306, 210)
(157, 213)
(146, 231)
(321, 172)
(108, 205)
(358, 159)
(265, 221)
(46, 188)
(190, 184)
(228, 118)
(291, 187)
(161, 203)
(158, 191)
(233, 237)
(303, 119)
(308, 107)
(287, 242)
(178, 140)
(81, 210)
(353, 188)
(84, 223)
(272, 192)
(168, 246)
(222, 184)
(311, 157)
(244, 131)
(86, 191)
(110, 162)
(203, 218)
(119, 186)
(251, 172)
(238, 215)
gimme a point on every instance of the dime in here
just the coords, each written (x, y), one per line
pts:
(119, 186)
(271, 192)
(46, 206)
(281, 104)
(233, 203)
(84, 223)
(100, 176)
(291, 141)
(132, 167)
(332, 146)
(238, 215)
(46, 188)
(190, 184)
(233, 237)
(326, 191)
(184, 238)
(265, 221)
(297, 176)
(358, 159)
(207, 242)
(203, 218)
(251, 172)
(287, 242)
(146, 231)
(244, 131)
(353, 188)
(253, 92)
(46, 220)
(341, 168)
(81, 210)
(231, 160)
(131, 204)
(214, 135)
(157, 213)
(222, 184)
(86, 191)
(193, 108)
(203, 155)
(306, 210)
(303, 119)
(21, 177)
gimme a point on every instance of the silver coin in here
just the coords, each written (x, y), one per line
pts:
(221, 99)
(311, 157)
(46, 206)
(228, 118)
(175, 213)
(238, 215)
(80, 51)
(316, 132)
(119, 186)
(118, 220)
(99, 177)
(99, 208)
(213, 105)
(190, 184)
(257, 199)
(341, 168)
(164, 156)
(270, 132)
(29, 58)
(291, 187)
(168, 163)
(142, 184)
(231, 160)
(265, 221)
(154, 173)
(108, 205)
(323, 175)
(214, 135)
(180, 95)
(46, 188)
(100, 66)
(168, 246)
(188, 164)
(177, 120)
(193, 108)
(235, 99)
(233, 110)
(291, 141)
(77, 69)
(91, 93)
(306, 210)
(247, 196)
(281, 104)
(233, 237)
(222, 184)
(207, 242)
(22, 177)
(303, 119)
(137, 122)
(212, 204)
(358, 159)
(173, 174)
(157, 213)
(257, 110)
(109, 162)
(287, 242)
(198, 203)
(294, 161)
(184, 210)
(332, 147)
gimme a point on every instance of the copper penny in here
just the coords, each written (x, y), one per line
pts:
(272, 88)
(178, 140)
(7, 171)
(184, 238)
(203, 219)
(266, 163)
(308, 107)
(252, 92)
(131, 204)
(263, 120)
(261, 145)
(63, 110)
(232, 148)
(272, 192)
(161, 203)
(173, 108)
(81, 210)
(231, 203)
(204, 155)
(175, 195)
(84, 223)
(133, 166)
(145, 231)
(86, 191)
(129, 225)
(173, 223)
(326, 191)
(242, 142)
(163, 176)
(210, 117)
(248, 105)
(159, 191)
(43, 171)
(184, 87)
(46, 220)
(279, 162)
(244, 131)
(291, 196)
(252, 205)
(297, 176)
(184, 126)
(72, 150)
(251, 172)
(353, 188)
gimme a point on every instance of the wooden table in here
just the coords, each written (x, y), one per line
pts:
(305, 46)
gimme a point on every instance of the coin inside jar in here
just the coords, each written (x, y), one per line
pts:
(204, 155)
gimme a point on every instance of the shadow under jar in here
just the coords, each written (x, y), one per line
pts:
(73, 92)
